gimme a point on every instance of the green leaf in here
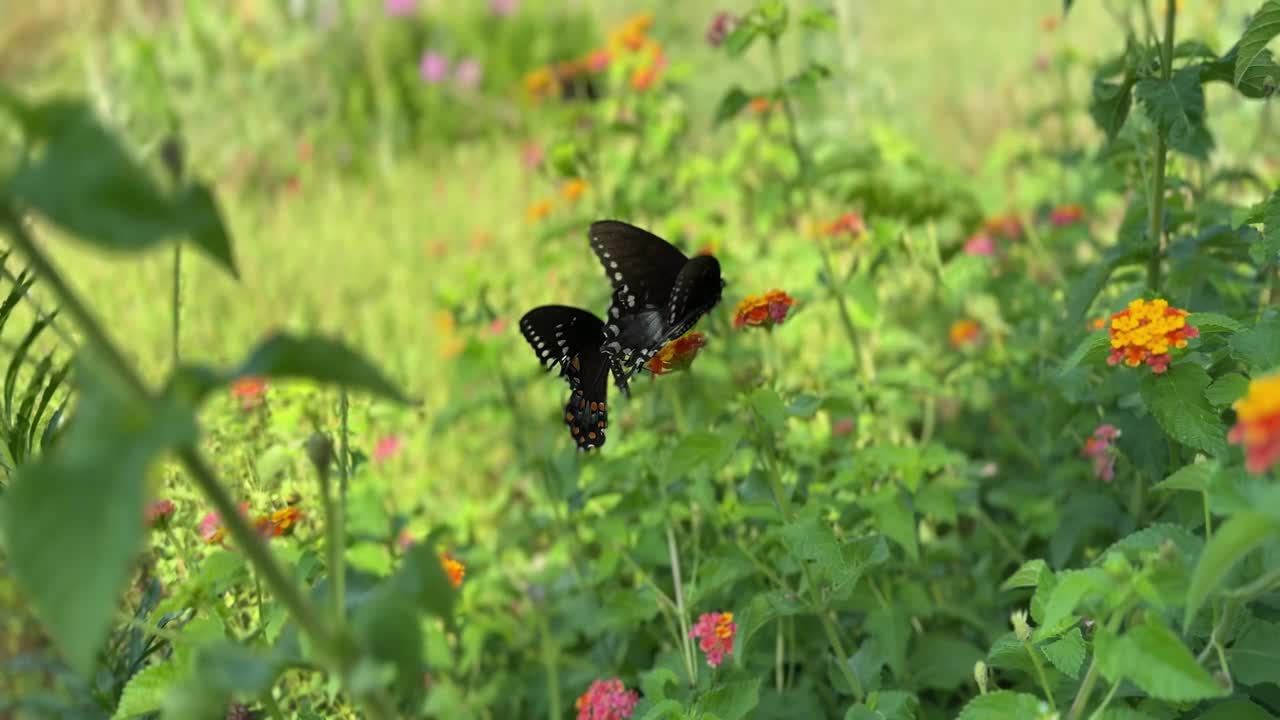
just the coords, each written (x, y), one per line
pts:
(1002, 705)
(654, 683)
(742, 37)
(320, 359)
(1212, 323)
(1176, 399)
(146, 690)
(387, 627)
(1227, 389)
(806, 81)
(819, 19)
(234, 668)
(839, 563)
(1109, 105)
(1236, 709)
(1176, 106)
(1066, 6)
(893, 517)
(943, 661)
(1255, 656)
(1026, 576)
(73, 517)
(1093, 348)
(731, 104)
(885, 705)
(1073, 586)
(1267, 249)
(703, 449)
(731, 701)
(770, 408)
(1067, 653)
(891, 627)
(1259, 346)
(1264, 26)
(1195, 478)
(84, 181)
(422, 579)
(1155, 659)
(1240, 534)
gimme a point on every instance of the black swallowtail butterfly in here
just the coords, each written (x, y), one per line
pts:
(658, 293)
(571, 338)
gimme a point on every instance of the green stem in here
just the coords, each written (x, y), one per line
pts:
(337, 520)
(176, 326)
(333, 544)
(686, 646)
(1106, 700)
(861, 354)
(1086, 689)
(1039, 668)
(779, 657)
(1208, 516)
(1157, 181)
(819, 607)
(330, 647)
(551, 662)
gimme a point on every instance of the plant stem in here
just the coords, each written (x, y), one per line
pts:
(176, 327)
(1157, 180)
(1106, 700)
(686, 648)
(819, 607)
(1039, 668)
(861, 355)
(1086, 689)
(549, 660)
(779, 657)
(338, 520)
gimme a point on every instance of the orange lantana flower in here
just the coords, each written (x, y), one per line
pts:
(538, 210)
(677, 354)
(454, 569)
(1145, 332)
(965, 332)
(1257, 425)
(573, 189)
(763, 310)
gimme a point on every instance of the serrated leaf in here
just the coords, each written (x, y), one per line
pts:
(1067, 652)
(72, 518)
(891, 627)
(233, 668)
(1072, 587)
(943, 661)
(1227, 389)
(769, 407)
(740, 39)
(1255, 656)
(1258, 347)
(422, 579)
(1109, 105)
(324, 360)
(1263, 26)
(1266, 250)
(1028, 575)
(386, 626)
(1176, 400)
(1212, 323)
(731, 701)
(1002, 705)
(893, 517)
(1176, 106)
(1094, 347)
(731, 104)
(1194, 478)
(1156, 660)
(1239, 535)
(1236, 709)
(703, 449)
(654, 683)
(146, 691)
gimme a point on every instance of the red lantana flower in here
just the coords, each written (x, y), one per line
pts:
(250, 391)
(677, 354)
(1145, 332)
(763, 310)
(606, 700)
(1257, 425)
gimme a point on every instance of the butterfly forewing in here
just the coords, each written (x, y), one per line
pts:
(641, 266)
(570, 338)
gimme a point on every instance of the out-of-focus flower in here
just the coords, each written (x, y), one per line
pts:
(1145, 332)
(250, 391)
(400, 8)
(531, 155)
(1096, 324)
(283, 520)
(606, 700)
(1007, 225)
(1049, 23)
(760, 105)
(503, 8)
(850, 222)
(1042, 62)
(386, 448)
(980, 245)
(843, 426)
(540, 83)
(446, 329)
(631, 35)
(677, 354)
(454, 569)
(573, 189)
(965, 332)
(433, 67)
(1257, 425)
(721, 25)
(467, 74)
(598, 60)
(538, 210)
(1064, 215)
(159, 512)
(763, 310)
(643, 78)
(715, 632)
(404, 540)
(211, 529)
(1100, 448)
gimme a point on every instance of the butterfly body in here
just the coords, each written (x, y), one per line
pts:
(569, 338)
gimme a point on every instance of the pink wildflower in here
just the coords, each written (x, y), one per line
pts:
(980, 245)
(715, 632)
(433, 67)
(721, 25)
(159, 512)
(467, 74)
(386, 448)
(1099, 448)
(400, 8)
(606, 700)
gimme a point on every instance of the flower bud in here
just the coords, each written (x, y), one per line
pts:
(1020, 626)
(980, 676)
(320, 452)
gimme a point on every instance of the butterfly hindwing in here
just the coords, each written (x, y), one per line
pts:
(569, 338)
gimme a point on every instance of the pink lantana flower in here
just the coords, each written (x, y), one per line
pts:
(715, 632)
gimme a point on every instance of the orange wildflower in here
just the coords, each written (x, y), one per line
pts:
(540, 83)
(598, 60)
(1049, 23)
(538, 210)
(1257, 425)
(760, 105)
(965, 332)
(1096, 324)
(250, 391)
(1064, 215)
(677, 354)
(573, 189)
(763, 310)
(1007, 225)
(454, 569)
(1145, 331)
(850, 222)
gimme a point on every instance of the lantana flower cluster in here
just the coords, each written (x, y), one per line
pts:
(631, 38)
(1100, 448)
(715, 632)
(677, 354)
(1257, 426)
(1145, 332)
(277, 523)
(606, 700)
(764, 310)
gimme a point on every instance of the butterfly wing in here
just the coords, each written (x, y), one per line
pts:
(569, 338)
(697, 290)
(641, 266)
